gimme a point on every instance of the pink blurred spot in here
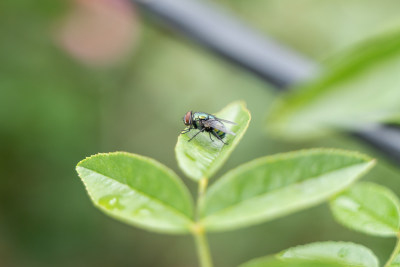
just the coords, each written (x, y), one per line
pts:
(99, 32)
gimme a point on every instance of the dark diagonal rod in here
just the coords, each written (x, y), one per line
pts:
(385, 138)
(214, 28)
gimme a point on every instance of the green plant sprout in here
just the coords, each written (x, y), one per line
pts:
(142, 192)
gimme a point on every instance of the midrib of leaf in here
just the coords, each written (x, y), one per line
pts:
(261, 195)
(169, 207)
(374, 215)
(215, 163)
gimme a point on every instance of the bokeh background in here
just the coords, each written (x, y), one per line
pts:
(87, 76)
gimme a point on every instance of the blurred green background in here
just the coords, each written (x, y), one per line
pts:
(58, 106)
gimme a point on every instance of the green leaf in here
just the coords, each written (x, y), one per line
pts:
(359, 88)
(137, 190)
(368, 208)
(270, 261)
(319, 255)
(349, 254)
(201, 158)
(395, 262)
(273, 186)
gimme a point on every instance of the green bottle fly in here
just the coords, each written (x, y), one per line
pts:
(204, 122)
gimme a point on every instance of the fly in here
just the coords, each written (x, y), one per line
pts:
(205, 122)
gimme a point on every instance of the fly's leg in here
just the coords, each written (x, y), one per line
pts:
(186, 130)
(209, 134)
(202, 130)
(219, 138)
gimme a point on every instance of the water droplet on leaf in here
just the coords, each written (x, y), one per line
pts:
(111, 202)
(343, 252)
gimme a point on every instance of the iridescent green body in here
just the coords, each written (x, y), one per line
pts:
(198, 117)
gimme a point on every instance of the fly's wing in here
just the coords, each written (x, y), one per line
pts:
(217, 125)
(231, 122)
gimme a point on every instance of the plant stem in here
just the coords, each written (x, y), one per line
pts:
(200, 195)
(203, 250)
(395, 252)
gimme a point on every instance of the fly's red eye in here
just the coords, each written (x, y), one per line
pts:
(188, 118)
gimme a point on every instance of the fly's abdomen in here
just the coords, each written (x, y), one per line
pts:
(221, 134)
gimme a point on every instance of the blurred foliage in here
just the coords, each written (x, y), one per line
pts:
(358, 89)
(54, 111)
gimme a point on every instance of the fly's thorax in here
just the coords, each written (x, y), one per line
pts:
(202, 116)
